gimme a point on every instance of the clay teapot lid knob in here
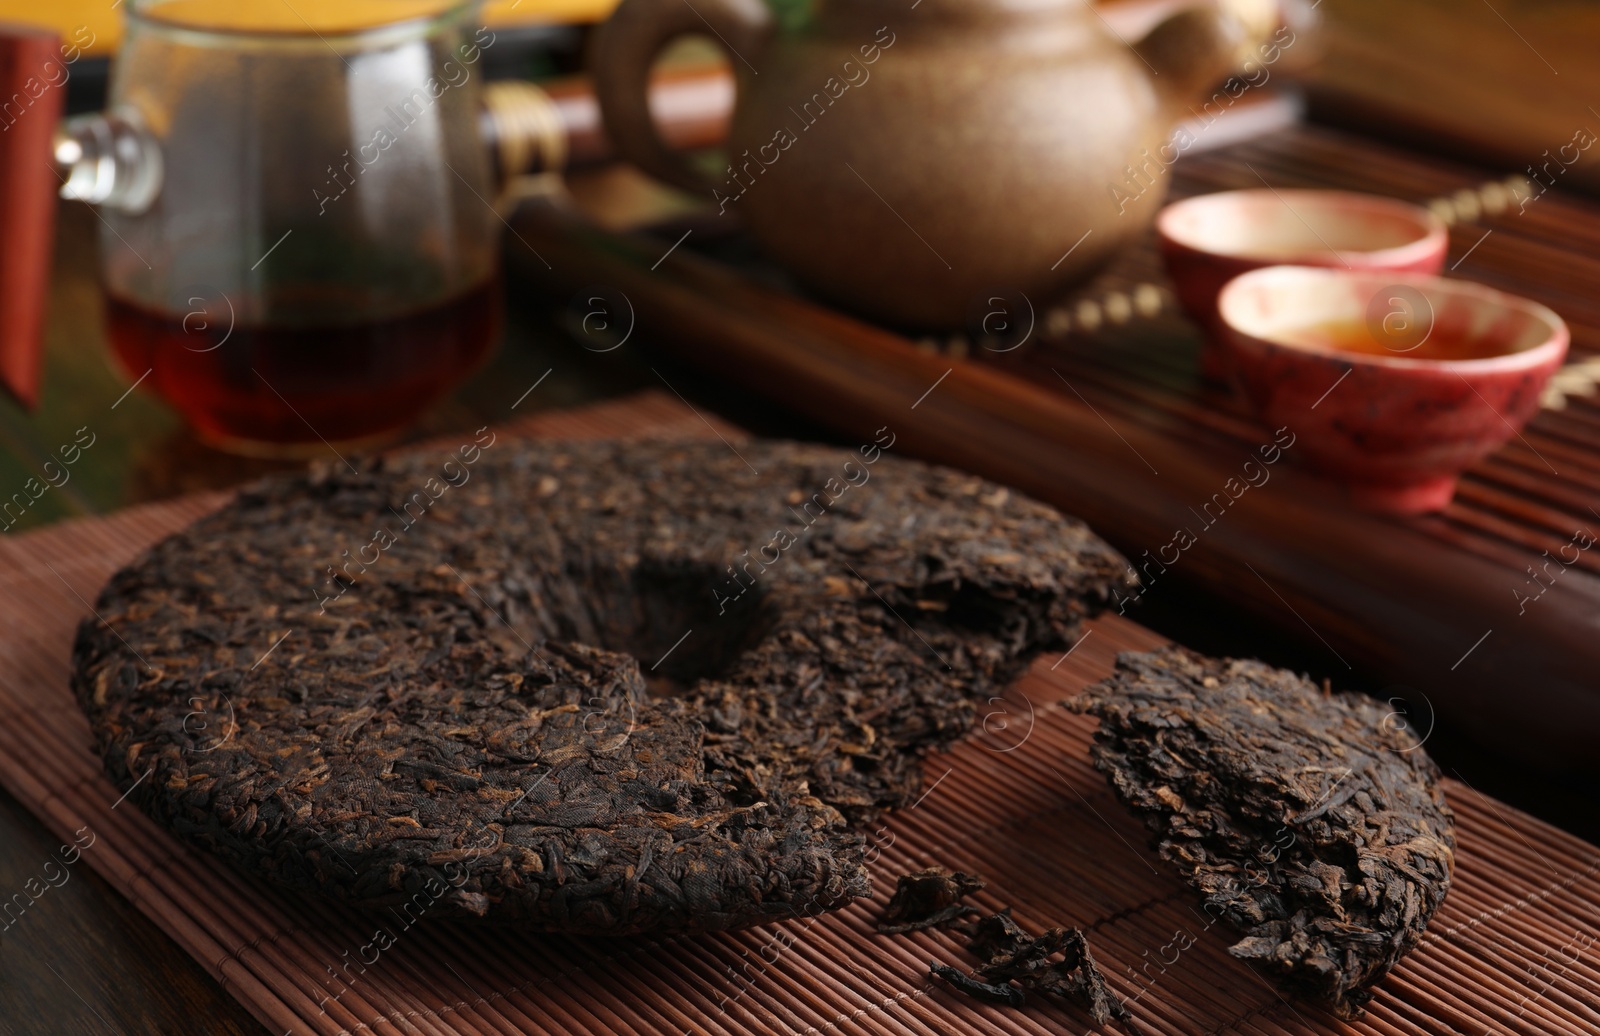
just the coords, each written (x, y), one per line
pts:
(1192, 51)
(32, 82)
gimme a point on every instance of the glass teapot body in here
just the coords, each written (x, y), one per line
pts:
(298, 244)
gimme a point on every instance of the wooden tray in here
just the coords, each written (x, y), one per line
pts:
(1511, 950)
(1109, 418)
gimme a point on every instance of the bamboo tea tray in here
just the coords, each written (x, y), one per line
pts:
(1511, 951)
(1103, 411)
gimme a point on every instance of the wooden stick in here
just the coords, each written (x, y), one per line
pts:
(29, 58)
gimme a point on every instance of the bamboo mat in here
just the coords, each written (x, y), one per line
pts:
(1511, 951)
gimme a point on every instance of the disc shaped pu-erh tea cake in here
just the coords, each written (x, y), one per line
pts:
(594, 688)
(1313, 823)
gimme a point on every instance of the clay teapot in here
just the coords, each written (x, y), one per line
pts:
(915, 162)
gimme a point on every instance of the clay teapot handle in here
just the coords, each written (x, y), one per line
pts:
(1192, 51)
(626, 46)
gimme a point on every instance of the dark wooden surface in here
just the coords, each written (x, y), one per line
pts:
(82, 960)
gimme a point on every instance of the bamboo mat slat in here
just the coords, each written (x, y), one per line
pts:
(1510, 952)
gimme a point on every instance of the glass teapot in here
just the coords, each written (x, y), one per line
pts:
(298, 239)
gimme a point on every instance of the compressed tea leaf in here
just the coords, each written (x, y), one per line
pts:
(1310, 822)
(1024, 956)
(994, 993)
(1313, 823)
(598, 688)
(997, 935)
(927, 899)
(1057, 961)
(1076, 977)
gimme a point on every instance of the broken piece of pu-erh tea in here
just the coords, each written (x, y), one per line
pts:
(1314, 824)
(927, 899)
(995, 993)
(1057, 961)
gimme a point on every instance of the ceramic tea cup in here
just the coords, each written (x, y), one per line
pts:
(1391, 383)
(1208, 240)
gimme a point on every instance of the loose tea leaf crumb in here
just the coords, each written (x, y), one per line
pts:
(1077, 978)
(1057, 961)
(1002, 993)
(1314, 824)
(996, 935)
(927, 899)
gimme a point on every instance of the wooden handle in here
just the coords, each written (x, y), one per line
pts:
(692, 108)
(551, 126)
(33, 82)
(627, 45)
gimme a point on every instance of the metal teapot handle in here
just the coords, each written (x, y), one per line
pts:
(627, 45)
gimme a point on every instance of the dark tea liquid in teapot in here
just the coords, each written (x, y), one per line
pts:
(257, 388)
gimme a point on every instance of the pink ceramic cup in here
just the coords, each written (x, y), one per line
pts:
(1395, 425)
(1208, 240)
